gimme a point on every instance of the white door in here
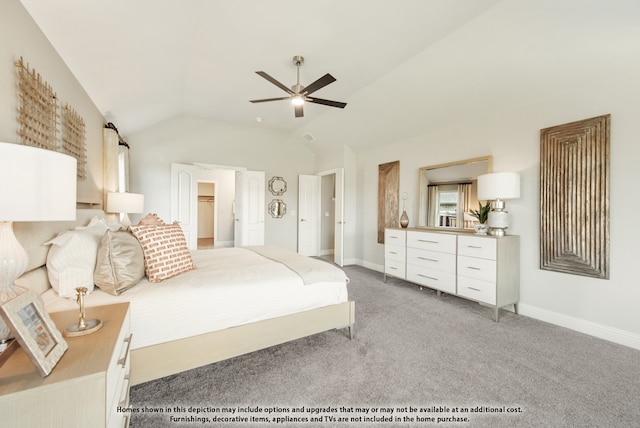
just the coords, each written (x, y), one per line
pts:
(184, 201)
(338, 244)
(249, 208)
(309, 215)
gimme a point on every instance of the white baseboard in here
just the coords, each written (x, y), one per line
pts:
(611, 334)
(223, 244)
(326, 252)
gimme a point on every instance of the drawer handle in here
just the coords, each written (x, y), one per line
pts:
(123, 361)
(426, 240)
(474, 289)
(473, 268)
(428, 277)
(393, 237)
(391, 267)
(392, 252)
(125, 399)
(474, 246)
(429, 260)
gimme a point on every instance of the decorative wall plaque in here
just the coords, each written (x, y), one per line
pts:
(74, 138)
(38, 109)
(388, 190)
(574, 198)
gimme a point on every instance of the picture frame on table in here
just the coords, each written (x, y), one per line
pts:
(34, 330)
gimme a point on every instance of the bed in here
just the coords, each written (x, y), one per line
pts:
(236, 301)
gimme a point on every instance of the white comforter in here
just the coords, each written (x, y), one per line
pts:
(231, 286)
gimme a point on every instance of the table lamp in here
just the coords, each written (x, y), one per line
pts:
(125, 203)
(35, 185)
(497, 187)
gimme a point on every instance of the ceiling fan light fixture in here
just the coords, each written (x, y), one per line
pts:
(297, 100)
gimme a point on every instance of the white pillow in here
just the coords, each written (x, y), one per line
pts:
(72, 258)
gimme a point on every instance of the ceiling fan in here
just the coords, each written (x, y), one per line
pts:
(298, 94)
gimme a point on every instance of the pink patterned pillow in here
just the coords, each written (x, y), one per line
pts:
(165, 250)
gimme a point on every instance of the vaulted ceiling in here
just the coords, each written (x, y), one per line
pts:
(401, 65)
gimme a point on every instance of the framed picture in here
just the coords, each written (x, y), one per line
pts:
(35, 331)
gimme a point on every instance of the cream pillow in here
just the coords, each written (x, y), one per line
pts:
(119, 262)
(71, 261)
(165, 250)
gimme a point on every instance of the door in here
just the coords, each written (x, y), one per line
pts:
(249, 208)
(184, 201)
(309, 215)
(338, 245)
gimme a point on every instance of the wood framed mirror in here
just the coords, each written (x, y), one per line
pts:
(448, 191)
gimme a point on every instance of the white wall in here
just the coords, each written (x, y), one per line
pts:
(608, 308)
(21, 37)
(191, 140)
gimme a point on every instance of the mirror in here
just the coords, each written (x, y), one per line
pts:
(277, 208)
(448, 191)
(277, 186)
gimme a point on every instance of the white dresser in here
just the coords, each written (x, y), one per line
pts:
(482, 268)
(85, 388)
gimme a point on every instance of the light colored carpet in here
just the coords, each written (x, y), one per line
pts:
(415, 349)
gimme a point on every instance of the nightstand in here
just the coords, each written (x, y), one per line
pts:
(85, 388)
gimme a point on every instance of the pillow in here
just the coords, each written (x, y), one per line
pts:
(71, 261)
(165, 250)
(150, 219)
(119, 262)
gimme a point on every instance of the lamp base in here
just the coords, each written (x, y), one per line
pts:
(498, 222)
(13, 263)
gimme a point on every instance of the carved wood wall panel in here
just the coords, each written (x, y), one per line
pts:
(388, 191)
(574, 197)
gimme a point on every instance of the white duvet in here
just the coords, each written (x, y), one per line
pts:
(231, 286)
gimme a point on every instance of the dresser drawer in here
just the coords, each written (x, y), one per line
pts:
(440, 242)
(394, 268)
(395, 237)
(394, 252)
(475, 289)
(432, 259)
(472, 267)
(475, 246)
(432, 278)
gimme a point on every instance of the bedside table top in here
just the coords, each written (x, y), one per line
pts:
(86, 356)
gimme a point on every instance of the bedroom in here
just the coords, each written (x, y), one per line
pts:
(589, 74)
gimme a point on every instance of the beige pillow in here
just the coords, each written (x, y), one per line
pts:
(165, 250)
(119, 263)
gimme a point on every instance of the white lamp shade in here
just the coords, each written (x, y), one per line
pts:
(36, 184)
(498, 185)
(120, 202)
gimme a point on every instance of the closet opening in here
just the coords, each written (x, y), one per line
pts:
(206, 215)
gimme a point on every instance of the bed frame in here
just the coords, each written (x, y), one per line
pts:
(164, 359)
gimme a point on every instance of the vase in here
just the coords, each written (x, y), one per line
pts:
(404, 219)
(481, 228)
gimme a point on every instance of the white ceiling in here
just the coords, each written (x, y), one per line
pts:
(401, 65)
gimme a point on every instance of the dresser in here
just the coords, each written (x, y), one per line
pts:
(85, 388)
(482, 268)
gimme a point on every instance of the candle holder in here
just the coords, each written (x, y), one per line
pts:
(83, 326)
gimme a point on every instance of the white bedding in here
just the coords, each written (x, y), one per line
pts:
(231, 286)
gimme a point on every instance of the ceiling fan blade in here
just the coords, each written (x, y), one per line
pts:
(269, 99)
(327, 102)
(318, 84)
(298, 111)
(275, 82)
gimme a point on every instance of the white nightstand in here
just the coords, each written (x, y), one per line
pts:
(87, 385)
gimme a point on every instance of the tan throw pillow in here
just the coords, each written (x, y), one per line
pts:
(119, 263)
(165, 250)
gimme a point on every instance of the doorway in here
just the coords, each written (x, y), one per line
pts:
(206, 215)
